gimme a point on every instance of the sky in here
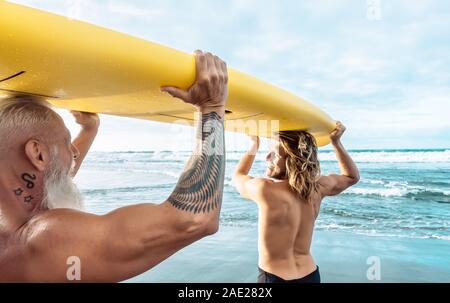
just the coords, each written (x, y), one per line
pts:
(382, 67)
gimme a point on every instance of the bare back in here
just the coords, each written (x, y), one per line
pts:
(286, 222)
(286, 225)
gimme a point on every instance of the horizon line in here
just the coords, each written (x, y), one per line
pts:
(323, 150)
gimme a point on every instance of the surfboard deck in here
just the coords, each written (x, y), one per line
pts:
(79, 66)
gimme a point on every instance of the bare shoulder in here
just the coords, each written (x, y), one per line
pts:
(52, 223)
(109, 248)
(263, 185)
(59, 229)
(261, 182)
(51, 238)
(263, 190)
(39, 250)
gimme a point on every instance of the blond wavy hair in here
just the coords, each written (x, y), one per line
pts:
(302, 163)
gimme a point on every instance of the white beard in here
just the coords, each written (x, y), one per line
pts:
(60, 190)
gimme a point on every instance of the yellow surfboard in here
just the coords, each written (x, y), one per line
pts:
(83, 67)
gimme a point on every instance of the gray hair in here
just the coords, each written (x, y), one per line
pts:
(22, 117)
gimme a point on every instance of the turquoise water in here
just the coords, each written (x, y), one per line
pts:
(403, 195)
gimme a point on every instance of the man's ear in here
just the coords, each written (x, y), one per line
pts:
(38, 154)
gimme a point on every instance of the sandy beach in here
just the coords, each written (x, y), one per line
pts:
(231, 256)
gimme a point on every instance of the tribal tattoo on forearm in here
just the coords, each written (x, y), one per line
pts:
(200, 187)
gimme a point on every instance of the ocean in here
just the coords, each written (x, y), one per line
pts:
(399, 212)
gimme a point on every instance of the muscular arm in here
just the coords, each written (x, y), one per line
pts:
(200, 187)
(133, 239)
(335, 184)
(247, 186)
(89, 128)
(83, 143)
(347, 166)
(246, 163)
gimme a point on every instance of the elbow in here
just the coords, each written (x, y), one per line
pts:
(205, 229)
(199, 227)
(355, 179)
(211, 226)
(211, 229)
(357, 176)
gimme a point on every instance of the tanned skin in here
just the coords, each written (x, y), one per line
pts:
(36, 242)
(286, 222)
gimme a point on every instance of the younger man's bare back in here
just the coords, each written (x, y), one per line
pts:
(289, 202)
(286, 225)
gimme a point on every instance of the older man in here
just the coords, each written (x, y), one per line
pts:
(41, 229)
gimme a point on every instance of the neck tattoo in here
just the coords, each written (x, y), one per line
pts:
(27, 199)
(29, 179)
(18, 192)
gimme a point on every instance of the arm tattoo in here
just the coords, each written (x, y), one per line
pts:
(200, 187)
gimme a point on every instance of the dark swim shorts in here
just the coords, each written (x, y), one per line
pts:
(265, 277)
